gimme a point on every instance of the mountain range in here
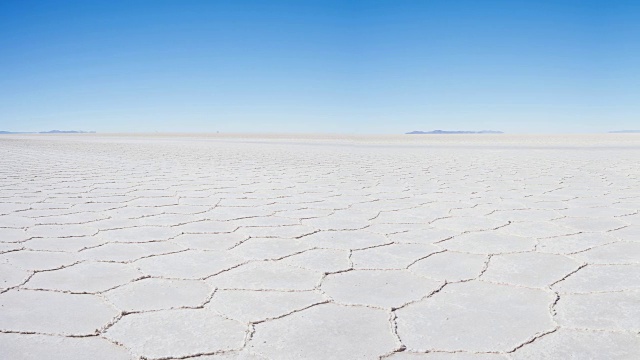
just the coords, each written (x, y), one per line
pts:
(48, 132)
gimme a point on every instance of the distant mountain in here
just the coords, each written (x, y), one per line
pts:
(454, 132)
(625, 132)
(66, 132)
(48, 132)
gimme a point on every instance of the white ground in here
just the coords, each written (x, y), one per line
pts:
(407, 247)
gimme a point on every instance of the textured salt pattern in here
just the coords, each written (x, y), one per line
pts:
(468, 248)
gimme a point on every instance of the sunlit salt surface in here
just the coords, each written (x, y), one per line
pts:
(249, 246)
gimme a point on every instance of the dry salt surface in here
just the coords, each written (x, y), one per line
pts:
(319, 247)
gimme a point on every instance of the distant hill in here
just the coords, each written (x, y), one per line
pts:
(454, 132)
(49, 132)
(625, 132)
(66, 132)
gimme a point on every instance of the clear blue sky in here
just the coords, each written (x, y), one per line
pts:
(320, 66)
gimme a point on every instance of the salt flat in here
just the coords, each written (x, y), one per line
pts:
(319, 247)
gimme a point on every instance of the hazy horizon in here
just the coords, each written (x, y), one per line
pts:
(356, 67)
(319, 134)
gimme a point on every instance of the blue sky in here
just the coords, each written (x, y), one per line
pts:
(320, 66)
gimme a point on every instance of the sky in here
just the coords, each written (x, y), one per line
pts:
(362, 66)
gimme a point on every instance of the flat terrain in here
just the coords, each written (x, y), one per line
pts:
(246, 247)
